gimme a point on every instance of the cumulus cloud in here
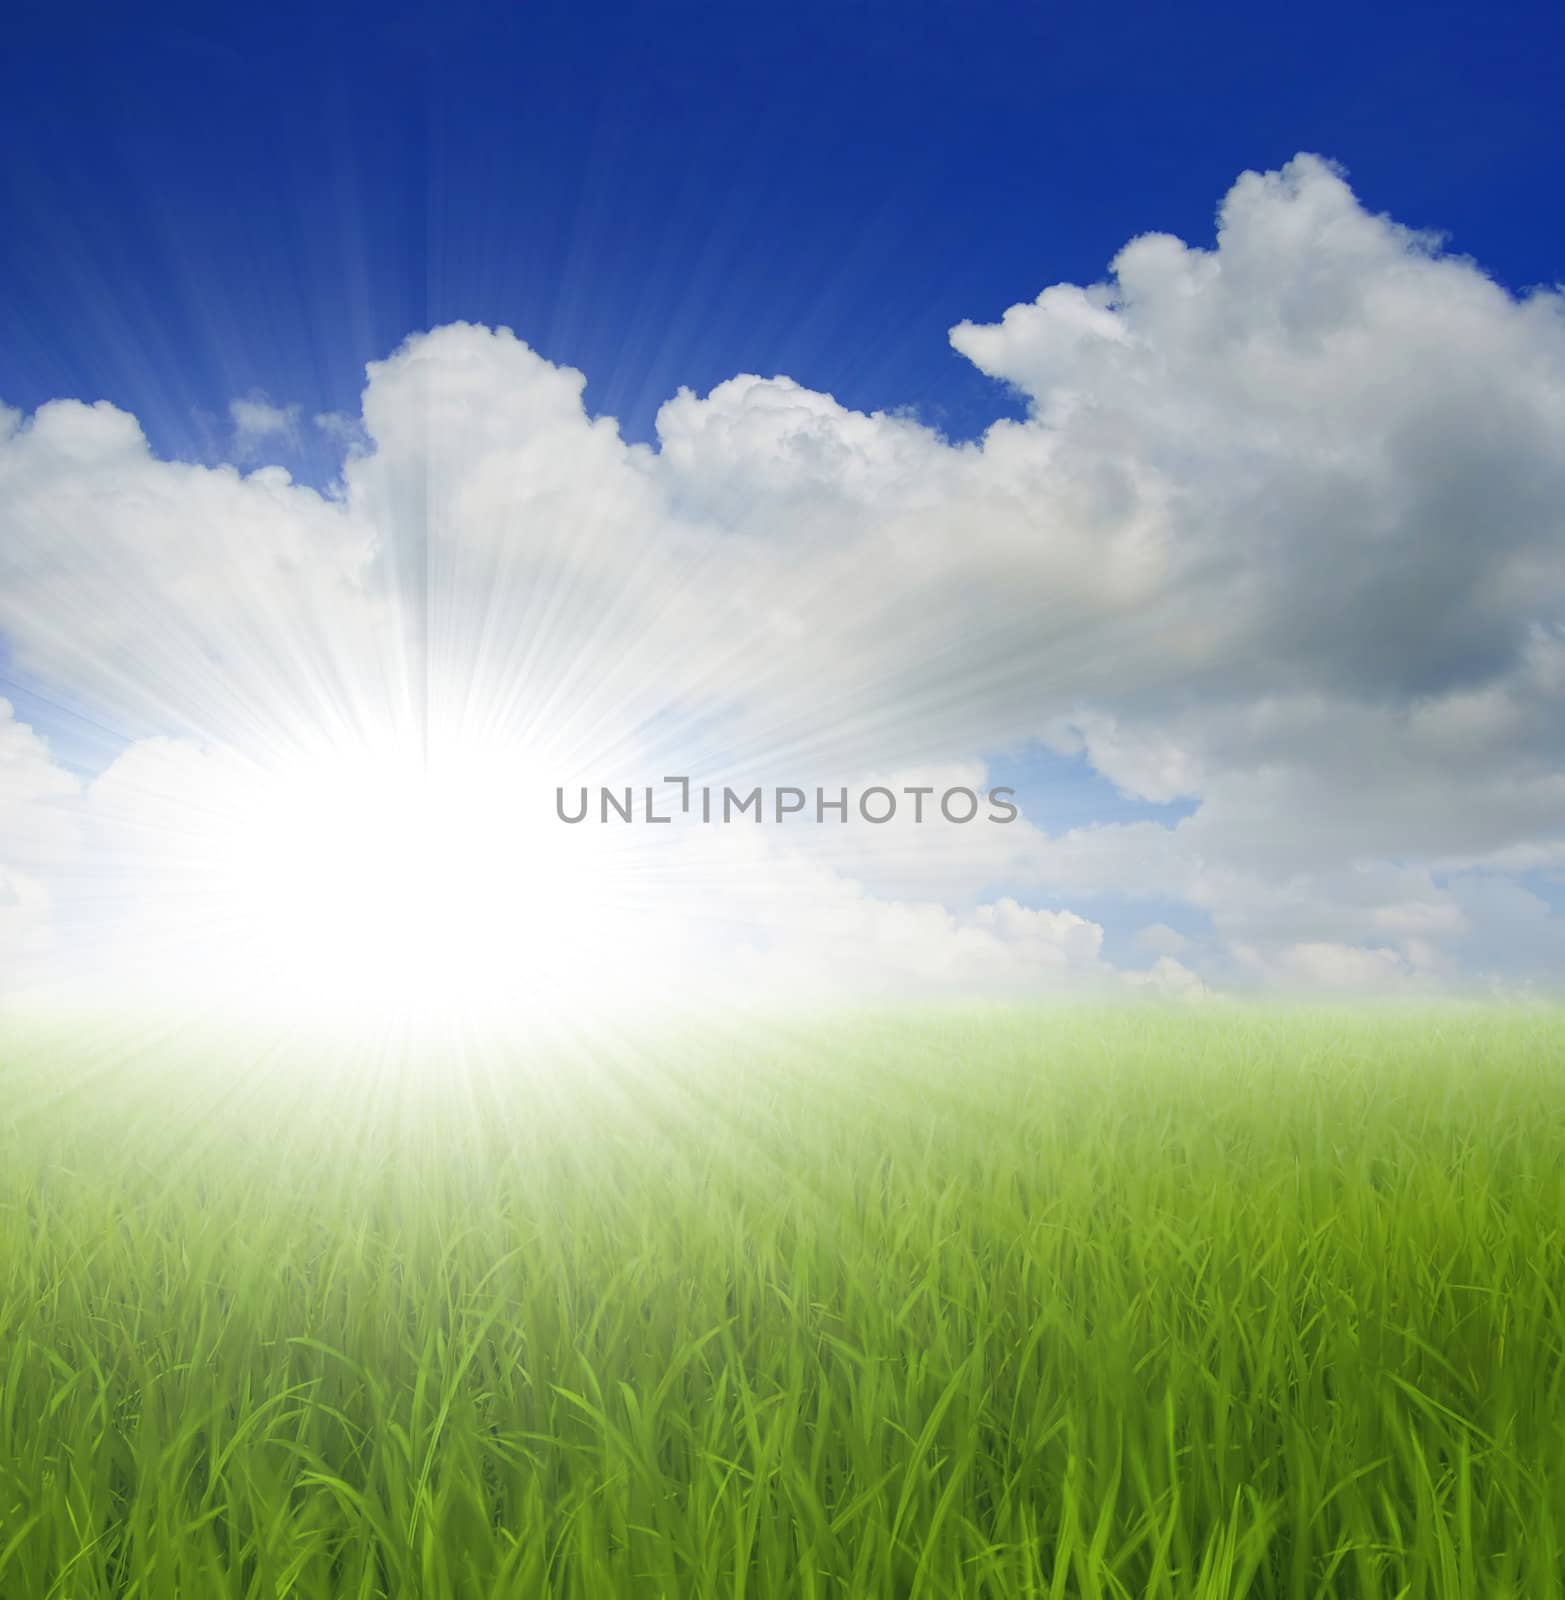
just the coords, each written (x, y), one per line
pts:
(172, 597)
(36, 814)
(1169, 979)
(790, 924)
(39, 842)
(257, 424)
(1161, 939)
(1325, 964)
(1279, 537)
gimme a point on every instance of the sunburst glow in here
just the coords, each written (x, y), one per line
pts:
(391, 882)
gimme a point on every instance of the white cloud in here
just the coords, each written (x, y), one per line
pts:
(1161, 940)
(1280, 535)
(1170, 980)
(784, 923)
(257, 424)
(39, 839)
(172, 597)
(1328, 965)
(37, 822)
(1146, 763)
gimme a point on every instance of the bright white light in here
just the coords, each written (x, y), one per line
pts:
(381, 886)
(387, 885)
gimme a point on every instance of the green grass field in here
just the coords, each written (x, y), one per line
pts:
(964, 1304)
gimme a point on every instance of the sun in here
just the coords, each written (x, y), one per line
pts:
(379, 884)
(387, 884)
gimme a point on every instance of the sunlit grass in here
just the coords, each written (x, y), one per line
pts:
(961, 1304)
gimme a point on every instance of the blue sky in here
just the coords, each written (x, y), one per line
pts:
(203, 201)
(1245, 569)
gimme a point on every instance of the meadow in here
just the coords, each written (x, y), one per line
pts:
(1025, 1303)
